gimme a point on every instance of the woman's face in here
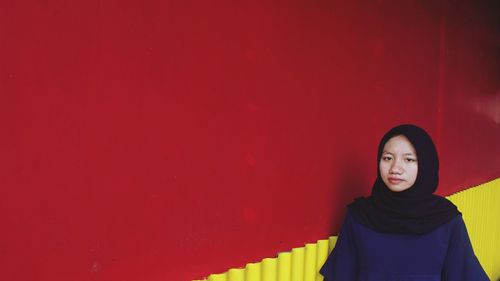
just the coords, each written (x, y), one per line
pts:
(398, 164)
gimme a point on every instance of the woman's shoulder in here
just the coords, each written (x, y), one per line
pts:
(349, 217)
(454, 223)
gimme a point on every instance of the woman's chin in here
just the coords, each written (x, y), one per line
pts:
(398, 187)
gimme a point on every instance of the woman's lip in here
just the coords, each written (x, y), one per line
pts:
(393, 180)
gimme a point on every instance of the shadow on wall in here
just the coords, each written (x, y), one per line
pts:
(351, 184)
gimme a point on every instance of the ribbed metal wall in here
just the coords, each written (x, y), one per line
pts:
(481, 213)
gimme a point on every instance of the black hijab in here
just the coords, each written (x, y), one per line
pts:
(415, 210)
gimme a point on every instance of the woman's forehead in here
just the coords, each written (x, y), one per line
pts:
(399, 143)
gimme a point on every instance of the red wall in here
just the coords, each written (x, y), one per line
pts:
(166, 140)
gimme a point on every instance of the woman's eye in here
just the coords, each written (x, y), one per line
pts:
(386, 158)
(410, 160)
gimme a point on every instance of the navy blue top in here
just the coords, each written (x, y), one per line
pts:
(362, 254)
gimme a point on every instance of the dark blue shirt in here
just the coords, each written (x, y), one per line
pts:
(362, 254)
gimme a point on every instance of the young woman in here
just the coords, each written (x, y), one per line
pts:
(403, 231)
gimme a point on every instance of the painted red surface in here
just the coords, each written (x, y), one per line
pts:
(166, 140)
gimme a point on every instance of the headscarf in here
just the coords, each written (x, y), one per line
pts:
(415, 210)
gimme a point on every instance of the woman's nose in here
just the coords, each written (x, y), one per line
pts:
(395, 168)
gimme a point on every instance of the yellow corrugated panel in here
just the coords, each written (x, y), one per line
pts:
(298, 264)
(269, 269)
(236, 274)
(332, 240)
(321, 255)
(285, 266)
(310, 263)
(218, 277)
(479, 205)
(252, 272)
